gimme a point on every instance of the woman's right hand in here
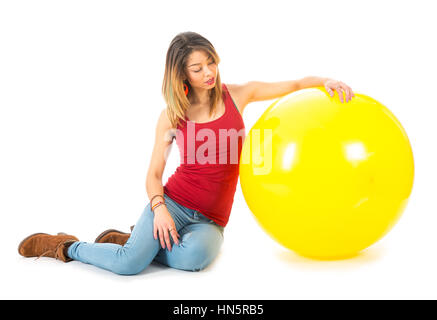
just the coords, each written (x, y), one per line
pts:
(162, 223)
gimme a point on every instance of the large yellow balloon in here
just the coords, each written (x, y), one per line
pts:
(323, 178)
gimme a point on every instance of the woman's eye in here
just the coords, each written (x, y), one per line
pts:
(201, 69)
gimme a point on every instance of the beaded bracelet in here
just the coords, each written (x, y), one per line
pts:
(156, 205)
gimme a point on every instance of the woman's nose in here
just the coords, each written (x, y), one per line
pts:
(208, 72)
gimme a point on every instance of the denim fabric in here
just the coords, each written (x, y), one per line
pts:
(200, 242)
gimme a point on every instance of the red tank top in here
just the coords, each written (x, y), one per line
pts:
(207, 176)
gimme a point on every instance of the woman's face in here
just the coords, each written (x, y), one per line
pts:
(201, 68)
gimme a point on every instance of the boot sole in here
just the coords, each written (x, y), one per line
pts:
(104, 233)
(27, 238)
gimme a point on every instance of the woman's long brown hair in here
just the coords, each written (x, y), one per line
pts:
(175, 65)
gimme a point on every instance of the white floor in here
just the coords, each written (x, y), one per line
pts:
(250, 266)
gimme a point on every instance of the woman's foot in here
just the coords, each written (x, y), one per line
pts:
(46, 245)
(113, 236)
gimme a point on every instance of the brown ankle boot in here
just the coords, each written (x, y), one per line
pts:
(46, 245)
(113, 236)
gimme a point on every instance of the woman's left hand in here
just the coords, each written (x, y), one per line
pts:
(339, 86)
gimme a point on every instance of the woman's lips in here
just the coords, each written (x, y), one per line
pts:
(211, 81)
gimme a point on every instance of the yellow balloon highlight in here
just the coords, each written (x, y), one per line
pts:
(323, 178)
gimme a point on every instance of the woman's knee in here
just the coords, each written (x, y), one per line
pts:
(200, 255)
(196, 266)
(195, 263)
(128, 263)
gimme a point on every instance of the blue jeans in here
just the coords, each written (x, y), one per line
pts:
(200, 242)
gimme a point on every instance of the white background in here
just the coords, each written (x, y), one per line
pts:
(80, 94)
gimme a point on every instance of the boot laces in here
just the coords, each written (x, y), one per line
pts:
(53, 251)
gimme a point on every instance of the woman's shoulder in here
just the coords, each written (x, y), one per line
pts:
(240, 94)
(238, 90)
